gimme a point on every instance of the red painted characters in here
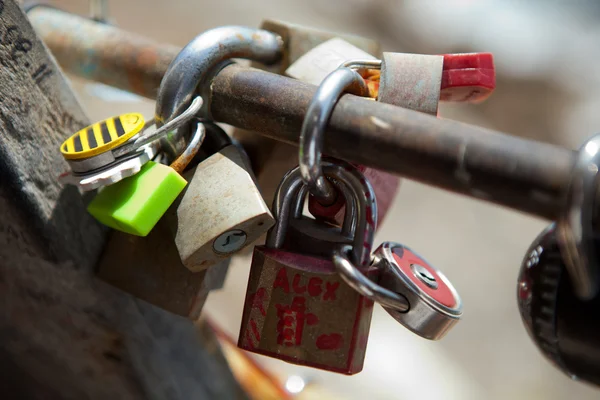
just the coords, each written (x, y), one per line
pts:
(298, 309)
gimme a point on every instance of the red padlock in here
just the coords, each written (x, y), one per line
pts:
(298, 308)
(468, 77)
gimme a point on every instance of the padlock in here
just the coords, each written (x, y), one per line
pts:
(434, 304)
(468, 77)
(565, 328)
(384, 184)
(298, 308)
(149, 268)
(411, 81)
(272, 159)
(111, 150)
(221, 211)
(416, 82)
(135, 204)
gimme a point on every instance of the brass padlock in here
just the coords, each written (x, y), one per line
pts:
(298, 308)
(222, 210)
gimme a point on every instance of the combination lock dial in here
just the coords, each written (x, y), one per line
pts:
(565, 329)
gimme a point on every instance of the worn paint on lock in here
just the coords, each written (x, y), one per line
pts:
(221, 211)
(298, 309)
(316, 64)
(102, 136)
(405, 259)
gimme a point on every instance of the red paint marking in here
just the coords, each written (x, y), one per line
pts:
(255, 330)
(364, 306)
(296, 285)
(333, 341)
(281, 280)
(249, 341)
(404, 258)
(258, 299)
(314, 286)
(330, 289)
(290, 327)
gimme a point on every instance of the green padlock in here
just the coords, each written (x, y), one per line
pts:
(135, 204)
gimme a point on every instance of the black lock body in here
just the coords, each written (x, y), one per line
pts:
(565, 329)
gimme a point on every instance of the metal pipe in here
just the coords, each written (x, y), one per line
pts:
(103, 53)
(521, 174)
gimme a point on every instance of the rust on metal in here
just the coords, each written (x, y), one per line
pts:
(521, 174)
(101, 53)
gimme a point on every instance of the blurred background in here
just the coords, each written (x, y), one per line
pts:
(545, 55)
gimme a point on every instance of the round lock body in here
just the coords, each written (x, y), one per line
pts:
(435, 306)
(564, 328)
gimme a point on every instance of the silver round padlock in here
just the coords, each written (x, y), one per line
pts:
(434, 304)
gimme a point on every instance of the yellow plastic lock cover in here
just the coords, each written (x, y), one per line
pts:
(102, 136)
(135, 204)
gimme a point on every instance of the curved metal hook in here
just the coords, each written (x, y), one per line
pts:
(365, 210)
(365, 286)
(191, 72)
(176, 123)
(188, 154)
(315, 123)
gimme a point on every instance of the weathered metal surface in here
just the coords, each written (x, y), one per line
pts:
(521, 174)
(63, 334)
(411, 81)
(82, 46)
(220, 199)
(299, 39)
(149, 268)
(525, 175)
(272, 159)
(299, 309)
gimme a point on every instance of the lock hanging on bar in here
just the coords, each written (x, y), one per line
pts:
(298, 308)
(222, 210)
(272, 159)
(413, 81)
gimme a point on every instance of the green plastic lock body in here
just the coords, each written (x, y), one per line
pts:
(135, 204)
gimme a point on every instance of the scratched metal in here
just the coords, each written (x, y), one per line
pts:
(411, 81)
(83, 48)
(300, 310)
(524, 175)
(149, 268)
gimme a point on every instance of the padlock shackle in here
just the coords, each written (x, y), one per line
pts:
(180, 164)
(317, 116)
(192, 70)
(285, 206)
(349, 224)
(362, 64)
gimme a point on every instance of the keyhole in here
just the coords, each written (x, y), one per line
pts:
(424, 275)
(230, 241)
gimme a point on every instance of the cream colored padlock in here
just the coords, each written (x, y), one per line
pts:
(222, 210)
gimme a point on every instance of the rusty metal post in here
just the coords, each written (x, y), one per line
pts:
(136, 64)
(521, 174)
